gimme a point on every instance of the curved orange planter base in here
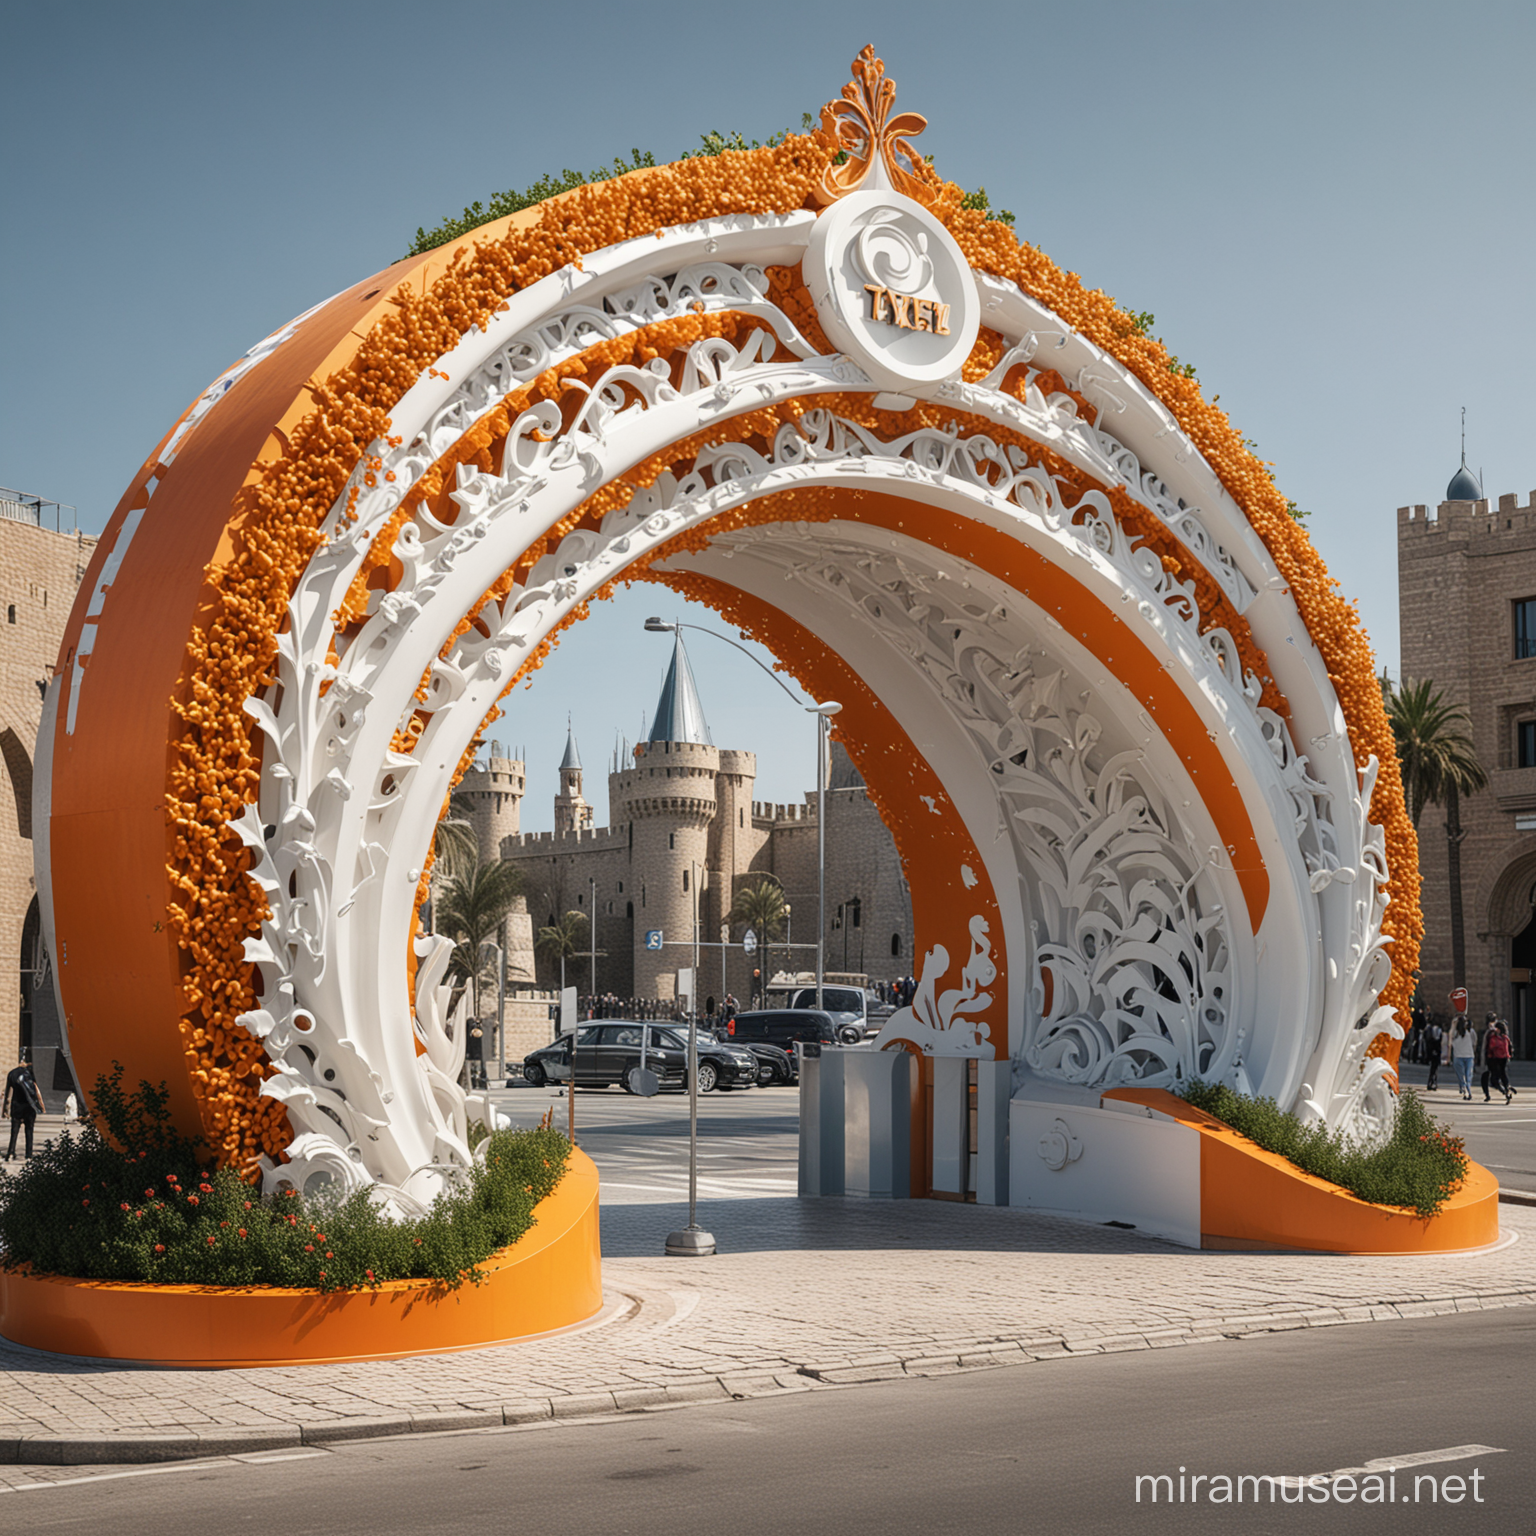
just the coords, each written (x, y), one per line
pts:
(549, 1280)
(1251, 1199)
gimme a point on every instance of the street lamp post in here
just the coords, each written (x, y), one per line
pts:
(501, 1000)
(693, 1242)
(823, 713)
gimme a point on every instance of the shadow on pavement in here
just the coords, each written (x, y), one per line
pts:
(789, 1224)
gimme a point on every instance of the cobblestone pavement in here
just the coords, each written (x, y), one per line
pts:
(804, 1294)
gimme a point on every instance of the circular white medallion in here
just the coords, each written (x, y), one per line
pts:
(892, 290)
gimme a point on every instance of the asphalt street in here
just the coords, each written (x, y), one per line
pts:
(1052, 1447)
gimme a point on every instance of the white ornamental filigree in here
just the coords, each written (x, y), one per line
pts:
(372, 1105)
(892, 256)
(940, 1023)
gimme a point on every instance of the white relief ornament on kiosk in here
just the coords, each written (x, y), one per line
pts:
(892, 289)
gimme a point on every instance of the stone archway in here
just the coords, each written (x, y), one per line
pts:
(1122, 731)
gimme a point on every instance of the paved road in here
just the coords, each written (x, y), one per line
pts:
(747, 1141)
(1051, 1448)
(748, 1146)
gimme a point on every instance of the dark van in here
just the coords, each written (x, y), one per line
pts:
(783, 1027)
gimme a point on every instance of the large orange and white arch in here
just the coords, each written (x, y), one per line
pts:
(1123, 727)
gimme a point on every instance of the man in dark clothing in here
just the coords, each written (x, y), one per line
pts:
(23, 1103)
(474, 1056)
(1434, 1040)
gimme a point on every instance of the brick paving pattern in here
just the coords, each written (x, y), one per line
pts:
(804, 1294)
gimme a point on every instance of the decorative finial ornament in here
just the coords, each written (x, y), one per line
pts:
(875, 142)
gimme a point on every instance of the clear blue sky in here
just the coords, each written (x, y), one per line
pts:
(1328, 207)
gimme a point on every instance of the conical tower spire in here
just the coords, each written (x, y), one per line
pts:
(679, 714)
(572, 758)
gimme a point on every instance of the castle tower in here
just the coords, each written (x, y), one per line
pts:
(572, 813)
(490, 798)
(669, 800)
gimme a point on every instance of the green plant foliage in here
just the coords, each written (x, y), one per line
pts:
(1296, 512)
(979, 200)
(505, 203)
(142, 1204)
(1421, 1166)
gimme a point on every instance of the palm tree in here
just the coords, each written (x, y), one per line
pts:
(1439, 765)
(562, 939)
(472, 902)
(762, 908)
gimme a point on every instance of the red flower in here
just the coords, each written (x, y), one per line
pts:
(247, 1205)
(124, 1206)
(322, 1274)
(369, 1273)
(159, 1247)
(320, 1237)
(242, 1231)
(149, 1191)
(85, 1202)
(212, 1241)
(85, 1186)
(192, 1200)
(330, 1255)
(309, 1247)
(223, 1223)
(207, 1189)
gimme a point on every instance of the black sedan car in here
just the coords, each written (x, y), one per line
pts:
(784, 1028)
(607, 1050)
(774, 1065)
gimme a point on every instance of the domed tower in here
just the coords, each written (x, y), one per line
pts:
(572, 813)
(1464, 486)
(668, 800)
(490, 796)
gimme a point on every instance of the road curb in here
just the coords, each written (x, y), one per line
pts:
(180, 1444)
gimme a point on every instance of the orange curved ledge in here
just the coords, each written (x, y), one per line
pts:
(1253, 1199)
(551, 1279)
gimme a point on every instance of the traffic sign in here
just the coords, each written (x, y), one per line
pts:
(653, 938)
(749, 941)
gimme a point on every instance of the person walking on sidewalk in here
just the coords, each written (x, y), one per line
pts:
(23, 1103)
(1496, 1058)
(1463, 1053)
(1434, 1042)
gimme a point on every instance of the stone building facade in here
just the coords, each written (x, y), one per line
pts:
(40, 573)
(1467, 606)
(685, 828)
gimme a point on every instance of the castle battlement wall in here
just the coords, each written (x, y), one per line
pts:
(1475, 519)
(767, 814)
(580, 839)
(491, 794)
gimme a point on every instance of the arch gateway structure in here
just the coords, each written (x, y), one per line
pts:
(1123, 727)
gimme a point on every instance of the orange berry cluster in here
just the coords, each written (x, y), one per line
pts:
(215, 768)
(277, 528)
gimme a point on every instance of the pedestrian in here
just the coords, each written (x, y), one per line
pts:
(1463, 1053)
(22, 1102)
(1496, 1053)
(1434, 1041)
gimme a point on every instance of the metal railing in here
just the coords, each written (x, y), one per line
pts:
(23, 507)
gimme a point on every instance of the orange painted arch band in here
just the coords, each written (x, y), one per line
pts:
(551, 1279)
(1253, 1199)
